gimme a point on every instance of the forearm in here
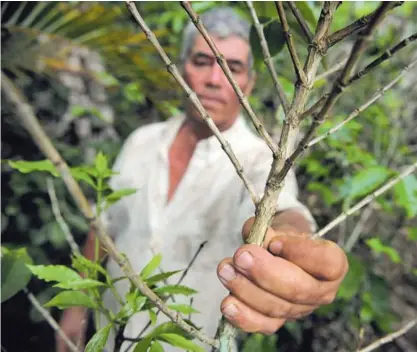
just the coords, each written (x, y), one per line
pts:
(291, 219)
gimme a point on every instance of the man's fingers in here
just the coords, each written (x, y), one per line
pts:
(282, 278)
(320, 258)
(256, 298)
(245, 318)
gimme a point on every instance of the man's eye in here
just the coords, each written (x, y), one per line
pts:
(200, 62)
(236, 68)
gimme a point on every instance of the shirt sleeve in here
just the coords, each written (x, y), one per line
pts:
(288, 198)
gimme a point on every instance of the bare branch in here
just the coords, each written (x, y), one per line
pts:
(366, 200)
(386, 55)
(290, 43)
(58, 216)
(357, 231)
(317, 105)
(390, 337)
(33, 127)
(334, 69)
(357, 111)
(267, 58)
(303, 24)
(353, 28)
(172, 69)
(358, 48)
(225, 67)
(51, 321)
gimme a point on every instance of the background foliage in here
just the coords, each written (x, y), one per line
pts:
(92, 77)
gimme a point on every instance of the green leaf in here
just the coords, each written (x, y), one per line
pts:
(151, 266)
(101, 163)
(14, 273)
(182, 342)
(80, 174)
(307, 12)
(117, 195)
(159, 277)
(80, 284)
(274, 37)
(353, 279)
(378, 247)
(26, 167)
(99, 340)
(167, 328)
(156, 347)
(84, 265)
(68, 299)
(59, 273)
(183, 308)
(412, 234)
(133, 304)
(143, 345)
(152, 316)
(367, 180)
(175, 290)
(405, 193)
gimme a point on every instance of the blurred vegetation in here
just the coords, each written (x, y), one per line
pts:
(92, 77)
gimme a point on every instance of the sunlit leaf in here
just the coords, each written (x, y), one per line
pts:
(183, 308)
(101, 163)
(151, 266)
(99, 340)
(68, 299)
(80, 284)
(59, 273)
(14, 273)
(175, 290)
(182, 342)
(119, 194)
(378, 247)
(31, 166)
(143, 345)
(156, 347)
(160, 277)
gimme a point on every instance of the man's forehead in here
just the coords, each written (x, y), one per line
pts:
(232, 47)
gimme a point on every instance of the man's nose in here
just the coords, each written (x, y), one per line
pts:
(216, 76)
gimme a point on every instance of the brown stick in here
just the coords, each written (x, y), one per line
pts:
(303, 24)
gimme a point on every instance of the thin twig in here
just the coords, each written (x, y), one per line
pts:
(357, 231)
(303, 24)
(172, 69)
(290, 43)
(357, 111)
(317, 105)
(267, 58)
(260, 128)
(390, 337)
(337, 67)
(58, 216)
(51, 321)
(366, 200)
(386, 55)
(33, 127)
(353, 28)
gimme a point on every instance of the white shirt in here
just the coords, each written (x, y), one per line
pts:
(210, 204)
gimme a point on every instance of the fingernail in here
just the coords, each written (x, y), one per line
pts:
(244, 260)
(230, 311)
(275, 247)
(227, 273)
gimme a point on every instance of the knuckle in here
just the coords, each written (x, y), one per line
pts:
(328, 298)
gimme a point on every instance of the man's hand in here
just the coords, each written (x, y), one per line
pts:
(287, 279)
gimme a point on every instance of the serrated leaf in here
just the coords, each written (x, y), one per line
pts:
(175, 290)
(80, 284)
(59, 273)
(82, 175)
(82, 264)
(274, 37)
(14, 273)
(143, 345)
(378, 247)
(151, 266)
(367, 180)
(156, 347)
(101, 163)
(32, 166)
(405, 193)
(99, 340)
(183, 308)
(160, 277)
(68, 299)
(117, 195)
(182, 342)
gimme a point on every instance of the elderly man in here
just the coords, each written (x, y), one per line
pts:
(188, 192)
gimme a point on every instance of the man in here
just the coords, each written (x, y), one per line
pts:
(189, 193)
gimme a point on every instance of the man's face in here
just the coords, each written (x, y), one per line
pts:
(207, 79)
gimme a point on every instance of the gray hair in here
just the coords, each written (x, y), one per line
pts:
(221, 22)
